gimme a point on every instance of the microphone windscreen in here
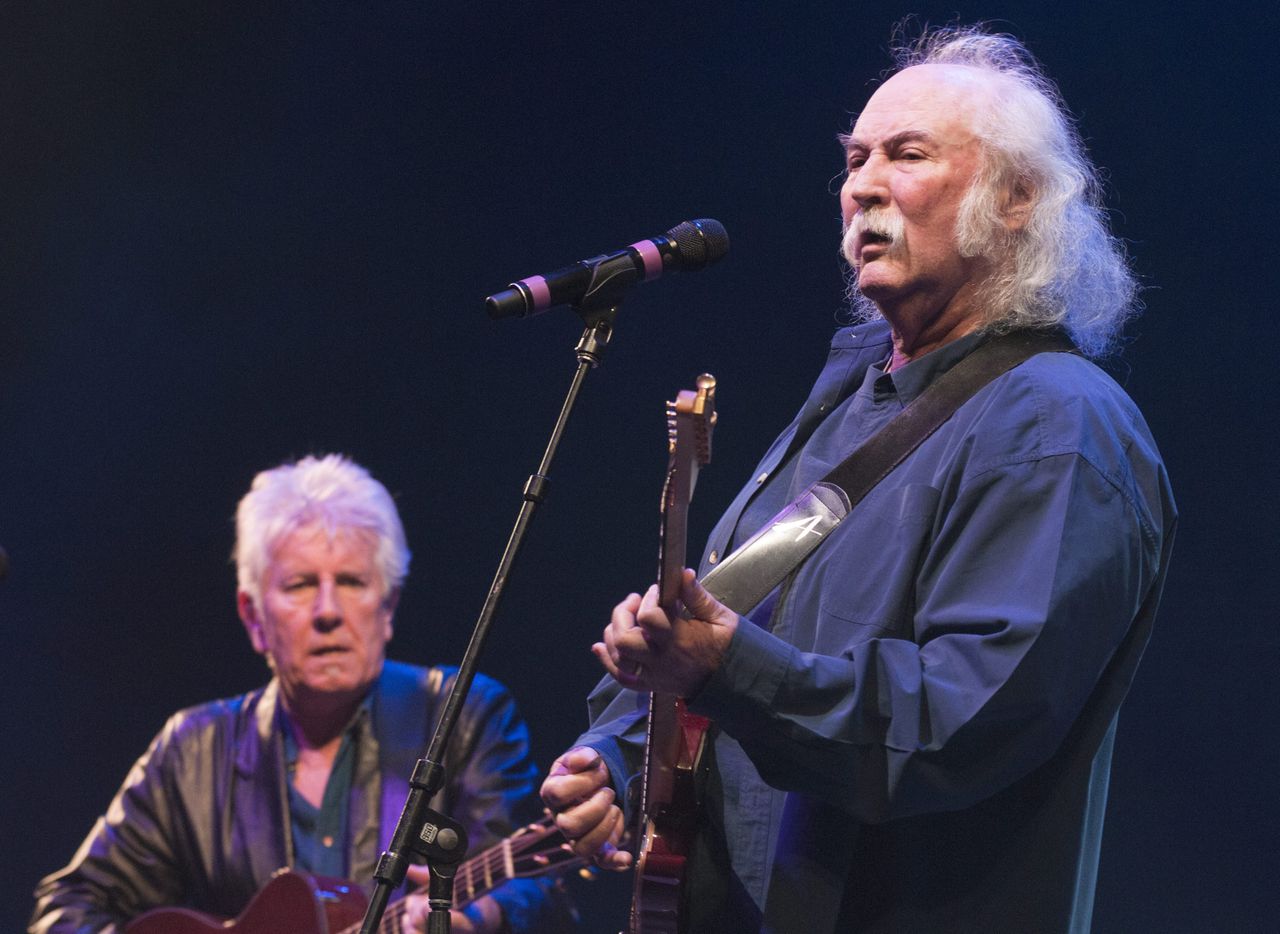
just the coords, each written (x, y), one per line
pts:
(701, 242)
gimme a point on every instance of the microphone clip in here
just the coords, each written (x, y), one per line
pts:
(611, 275)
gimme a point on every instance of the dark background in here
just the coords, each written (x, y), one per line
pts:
(234, 234)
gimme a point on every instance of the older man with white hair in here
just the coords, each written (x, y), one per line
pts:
(311, 771)
(913, 731)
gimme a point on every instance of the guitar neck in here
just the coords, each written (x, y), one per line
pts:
(674, 738)
(690, 419)
(534, 850)
(483, 873)
(671, 553)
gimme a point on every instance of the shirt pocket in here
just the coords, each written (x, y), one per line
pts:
(864, 577)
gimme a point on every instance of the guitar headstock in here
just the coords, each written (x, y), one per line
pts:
(694, 411)
(690, 419)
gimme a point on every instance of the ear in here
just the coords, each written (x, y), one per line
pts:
(252, 621)
(1018, 202)
(389, 604)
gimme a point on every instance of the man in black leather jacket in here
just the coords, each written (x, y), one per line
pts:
(311, 770)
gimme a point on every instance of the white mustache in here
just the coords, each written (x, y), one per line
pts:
(878, 222)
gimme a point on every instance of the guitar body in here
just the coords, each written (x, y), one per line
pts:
(291, 903)
(658, 888)
(295, 902)
(675, 737)
(659, 884)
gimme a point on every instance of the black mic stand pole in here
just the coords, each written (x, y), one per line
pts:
(437, 838)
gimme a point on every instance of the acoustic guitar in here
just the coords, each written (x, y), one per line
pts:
(295, 902)
(674, 737)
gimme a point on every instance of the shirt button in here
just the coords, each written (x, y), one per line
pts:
(763, 477)
(713, 557)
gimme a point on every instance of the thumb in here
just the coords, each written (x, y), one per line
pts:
(418, 875)
(700, 603)
(577, 759)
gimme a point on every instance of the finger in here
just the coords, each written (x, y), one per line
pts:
(622, 630)
(418, 875)
(577, 759)
(629, 647)
(628, 677)
(649, 602)
(623, 653)
(585, 819)
(416, 909)
(612, 858)
(564, 791)
(609, 639)
(623, 616)
(604, 833)
(653, 619)
(622, 622)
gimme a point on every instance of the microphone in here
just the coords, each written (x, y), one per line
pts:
(598, 282)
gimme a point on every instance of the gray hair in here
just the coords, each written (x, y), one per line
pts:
(332, 492)
(1065, 269)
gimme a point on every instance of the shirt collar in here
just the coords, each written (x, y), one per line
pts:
(907, 382)
(354, 729)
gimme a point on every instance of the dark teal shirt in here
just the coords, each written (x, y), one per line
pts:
(320, 834)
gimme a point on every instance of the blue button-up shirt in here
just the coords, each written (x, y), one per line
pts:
(915, 733)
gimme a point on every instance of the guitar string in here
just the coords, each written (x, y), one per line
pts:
(490, 859)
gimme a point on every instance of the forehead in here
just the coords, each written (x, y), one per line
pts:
(941, 101)
(316, 545)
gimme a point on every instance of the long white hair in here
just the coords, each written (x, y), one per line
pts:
(1065, 269)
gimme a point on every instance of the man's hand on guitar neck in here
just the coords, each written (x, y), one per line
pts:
(577, 790)
(647, 648)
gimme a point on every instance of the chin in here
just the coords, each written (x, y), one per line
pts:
(317, 697)
(874, 270)
(875, 289)
(336, 682)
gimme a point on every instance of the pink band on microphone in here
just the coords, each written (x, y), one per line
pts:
(537, 287)
(652, 257)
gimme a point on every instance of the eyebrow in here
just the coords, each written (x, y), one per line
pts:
(897, 139)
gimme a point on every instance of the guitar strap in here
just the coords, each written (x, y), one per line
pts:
(747, 575)
(409, 706)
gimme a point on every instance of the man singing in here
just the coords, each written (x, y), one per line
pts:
(913, 732)
(310, 771)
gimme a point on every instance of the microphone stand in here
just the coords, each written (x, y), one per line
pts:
(421, 830)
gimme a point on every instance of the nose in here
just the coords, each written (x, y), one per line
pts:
(326, 615)
(866, 186)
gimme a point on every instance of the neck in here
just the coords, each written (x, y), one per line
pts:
(922, 319)
(317, 726)
(917, 332)
(908, 347)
